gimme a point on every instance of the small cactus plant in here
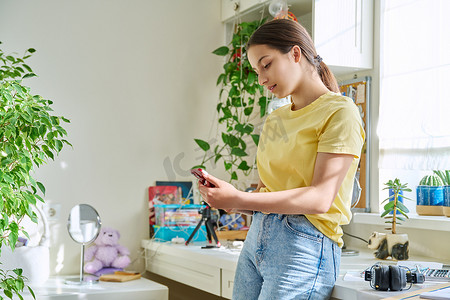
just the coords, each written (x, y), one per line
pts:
(444, 176)
(431, 180)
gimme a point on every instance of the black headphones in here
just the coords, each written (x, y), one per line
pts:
(393, 278)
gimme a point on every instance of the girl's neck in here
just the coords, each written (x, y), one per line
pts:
(307, 93)
(310, 87)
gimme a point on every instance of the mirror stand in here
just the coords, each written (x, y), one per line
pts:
(83, 226)
(82, 279)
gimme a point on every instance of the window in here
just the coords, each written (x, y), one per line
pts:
(414, 123)
(414, 112)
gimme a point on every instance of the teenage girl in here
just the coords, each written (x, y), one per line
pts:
(307, 159)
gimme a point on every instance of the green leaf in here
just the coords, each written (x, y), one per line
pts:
(225, 138)
(227, 165)
(243, 166)
(248, 128)
(18, 272)
(202, 144)
(41, 187)
(239, 128)
(233, 141)
(29, 75)
(8, 293)
(67, 143)
(26, 234)
(31, 292)
(226, 112)
(262, 102)
(199, 167)
(403, 213)
(389, 205)
(236, 101)
(221, 79)
(19, 295)
(248, 110)
(40, 198)
(234, 176)
(238, 152)
(255, 138)
(385, 213)
(49, 154)
(402, 207)
(58, 145)
(252, 77)
(12, 238)
(221, 51)
(34, 218)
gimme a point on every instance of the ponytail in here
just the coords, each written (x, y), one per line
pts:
(283, 34)
(327, 77)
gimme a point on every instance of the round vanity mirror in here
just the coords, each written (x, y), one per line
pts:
(84, 226)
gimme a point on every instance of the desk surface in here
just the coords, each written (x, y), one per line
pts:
(140, 289)
(227, 259)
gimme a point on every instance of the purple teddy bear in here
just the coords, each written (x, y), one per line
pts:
(107, 253)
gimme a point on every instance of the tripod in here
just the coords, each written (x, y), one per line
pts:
(209, 222)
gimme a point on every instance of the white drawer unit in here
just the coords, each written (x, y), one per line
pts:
(227, 283)
(211, 270)
(184, 270)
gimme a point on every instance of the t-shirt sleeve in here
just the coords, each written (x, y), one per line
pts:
(342, 132)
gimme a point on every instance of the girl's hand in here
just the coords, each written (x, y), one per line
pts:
(223, 195)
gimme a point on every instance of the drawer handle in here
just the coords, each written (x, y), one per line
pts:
(236, 6)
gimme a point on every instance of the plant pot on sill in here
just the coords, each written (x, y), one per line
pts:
(430, 200)
(391, 245)
(447, 200)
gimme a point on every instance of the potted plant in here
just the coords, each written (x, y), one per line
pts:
(29, 136)
(392, 244)
(430, 196)
(240, 98)
(445, 177)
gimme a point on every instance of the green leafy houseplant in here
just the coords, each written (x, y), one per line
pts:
(29, 136)
(394, 205)
(240, 96)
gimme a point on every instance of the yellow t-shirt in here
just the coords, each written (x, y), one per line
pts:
(288, 149)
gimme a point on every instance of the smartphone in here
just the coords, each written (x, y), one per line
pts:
(200, 174)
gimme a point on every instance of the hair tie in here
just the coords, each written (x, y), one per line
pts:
(318, 58)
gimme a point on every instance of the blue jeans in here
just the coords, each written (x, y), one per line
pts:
(286, 257)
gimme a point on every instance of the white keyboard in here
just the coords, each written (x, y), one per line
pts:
(437, 275)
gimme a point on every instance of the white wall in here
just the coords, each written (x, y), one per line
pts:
(137, 80)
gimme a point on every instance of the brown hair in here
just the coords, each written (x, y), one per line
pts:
(283, 34)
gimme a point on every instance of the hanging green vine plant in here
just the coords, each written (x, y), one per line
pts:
(240, 96)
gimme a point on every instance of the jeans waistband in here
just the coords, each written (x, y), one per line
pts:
(279, 216)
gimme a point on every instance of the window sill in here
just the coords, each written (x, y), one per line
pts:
(441, 223)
